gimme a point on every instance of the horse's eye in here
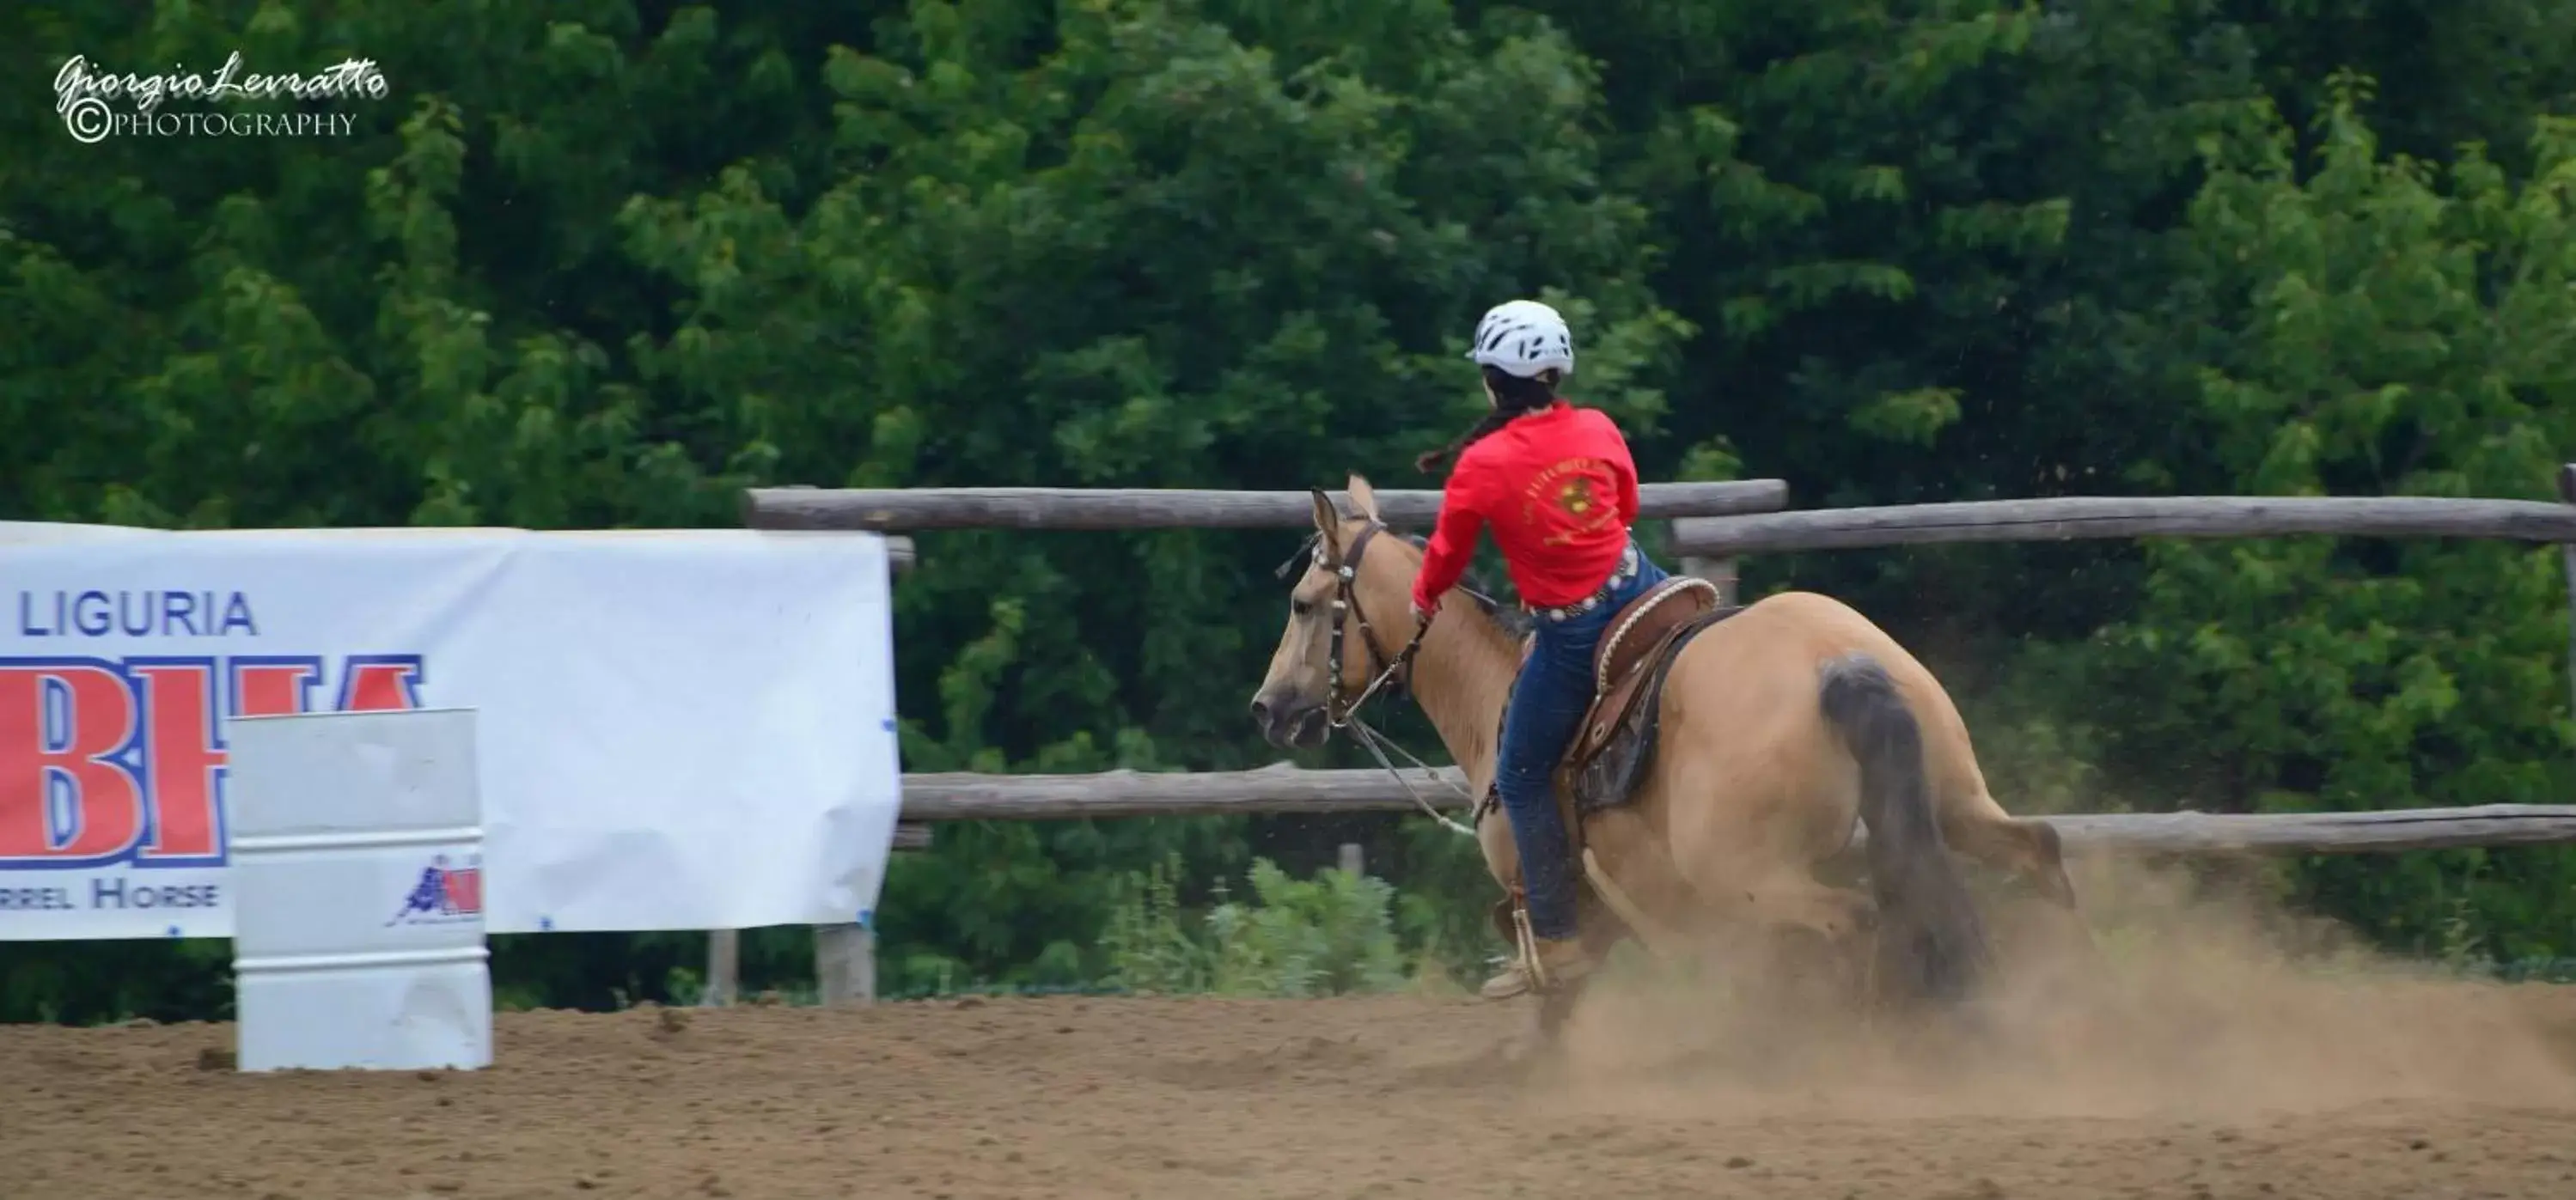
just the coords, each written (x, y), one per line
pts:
(1300, 607)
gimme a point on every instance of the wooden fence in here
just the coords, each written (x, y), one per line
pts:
(1286, 789)
(1713, 525)
(844, 955)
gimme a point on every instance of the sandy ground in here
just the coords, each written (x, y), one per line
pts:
(2185, 1067)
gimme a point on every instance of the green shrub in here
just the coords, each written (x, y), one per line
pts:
(1149, 947)
(1330, 935)
(1333, 934)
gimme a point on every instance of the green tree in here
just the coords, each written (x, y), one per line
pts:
(603, 264)
(2378, 326)
(1130, 246)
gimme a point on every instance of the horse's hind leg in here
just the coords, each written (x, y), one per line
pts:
(1971, 822)
(2029, 850)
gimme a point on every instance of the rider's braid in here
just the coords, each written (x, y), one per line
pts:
(1513, 397)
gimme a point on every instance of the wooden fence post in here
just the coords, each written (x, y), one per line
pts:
(845, 964)
(2567, 557)
(845, 956)
(724, 967)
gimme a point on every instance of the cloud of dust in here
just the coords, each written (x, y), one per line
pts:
(2191, 997)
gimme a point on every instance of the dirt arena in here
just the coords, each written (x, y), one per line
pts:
(2185, 1066)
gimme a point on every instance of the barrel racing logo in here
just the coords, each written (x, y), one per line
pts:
(121, 761)
(444, 895)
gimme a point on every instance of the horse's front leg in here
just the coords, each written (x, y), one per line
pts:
(1556, 1009)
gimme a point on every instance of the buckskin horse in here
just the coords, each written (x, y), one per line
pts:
(1729, 752)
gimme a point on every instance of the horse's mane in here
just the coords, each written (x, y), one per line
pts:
(1508, 617)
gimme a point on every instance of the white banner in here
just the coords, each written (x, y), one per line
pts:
(686, 729)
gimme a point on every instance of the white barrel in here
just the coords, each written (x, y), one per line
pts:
(357, 874)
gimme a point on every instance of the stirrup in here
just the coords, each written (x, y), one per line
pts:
(1520, 972)
(1528, 970)
(1531, 968)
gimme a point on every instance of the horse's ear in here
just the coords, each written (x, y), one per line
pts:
(1364, 497)
(1328, 520)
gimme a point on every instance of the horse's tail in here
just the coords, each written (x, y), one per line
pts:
(1931, 941)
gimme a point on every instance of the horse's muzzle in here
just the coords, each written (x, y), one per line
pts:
(1288, 722)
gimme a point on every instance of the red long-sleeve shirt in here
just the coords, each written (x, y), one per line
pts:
(1560, 491)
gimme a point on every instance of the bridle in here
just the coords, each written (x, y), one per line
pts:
(1341, 705)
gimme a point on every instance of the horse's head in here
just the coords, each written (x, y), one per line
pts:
(1348, 617)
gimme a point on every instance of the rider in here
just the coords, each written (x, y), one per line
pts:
(1560, 491)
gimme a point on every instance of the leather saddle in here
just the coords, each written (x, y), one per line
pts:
(1615, 742)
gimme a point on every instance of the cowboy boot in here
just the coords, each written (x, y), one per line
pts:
(1513, 980)
(1558, 961)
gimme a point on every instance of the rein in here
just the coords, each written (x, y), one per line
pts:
(1341, 706)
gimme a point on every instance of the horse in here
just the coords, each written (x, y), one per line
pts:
(1779, 730)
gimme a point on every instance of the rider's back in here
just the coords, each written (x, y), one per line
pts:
(1559, 489)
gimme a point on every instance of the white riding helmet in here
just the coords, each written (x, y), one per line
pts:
(1523, 337)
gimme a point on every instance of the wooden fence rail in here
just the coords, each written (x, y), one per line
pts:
(2074, 517)
(1278, 788)
(1282, 788)
(915, 509)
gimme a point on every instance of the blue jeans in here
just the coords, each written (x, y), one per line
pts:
(1547, 702)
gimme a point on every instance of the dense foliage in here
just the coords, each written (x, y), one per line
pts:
(601, 263)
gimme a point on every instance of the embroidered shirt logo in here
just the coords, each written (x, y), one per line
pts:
(1573, 487)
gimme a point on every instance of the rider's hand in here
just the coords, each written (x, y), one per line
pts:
(1422, 616)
